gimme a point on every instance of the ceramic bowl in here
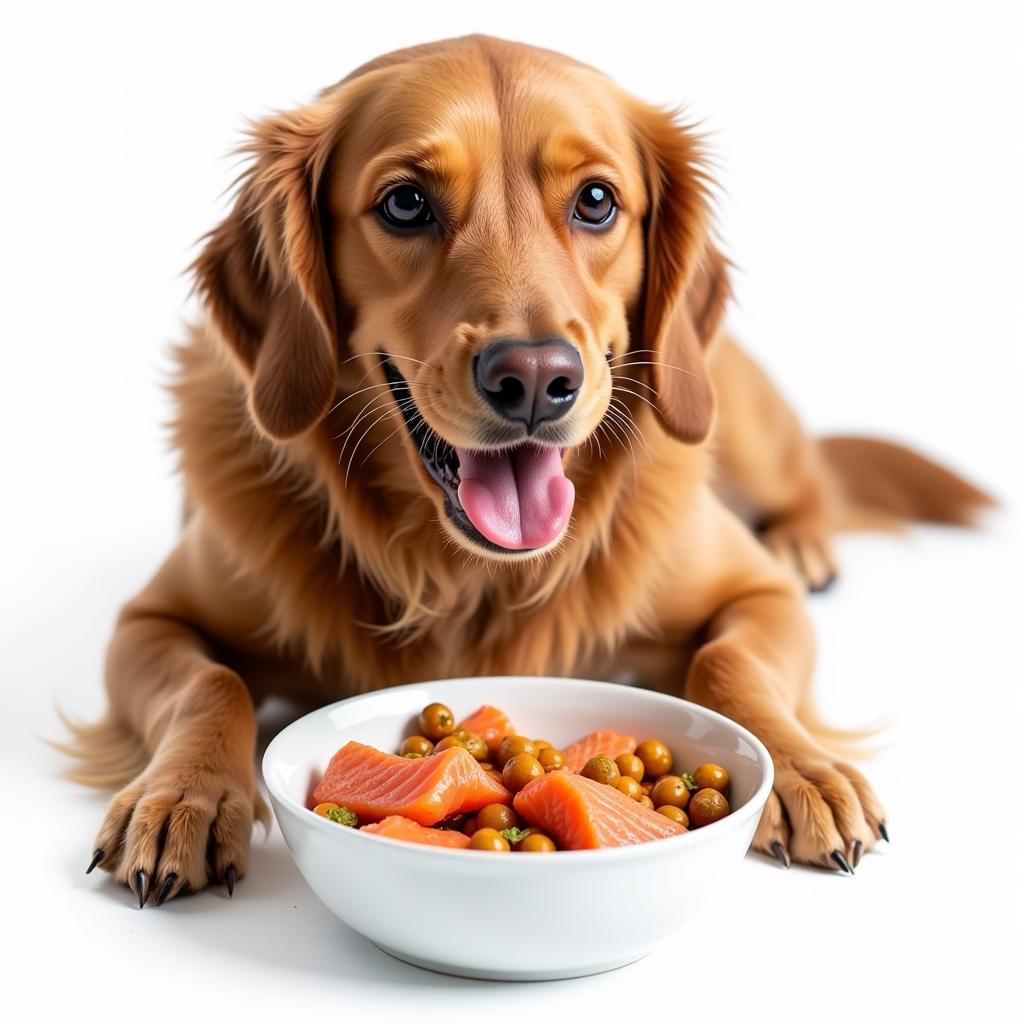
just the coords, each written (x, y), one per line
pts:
(601, 908)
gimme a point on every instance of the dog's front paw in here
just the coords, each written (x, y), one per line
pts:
(820, 812)
(803, 545)
(180, 825)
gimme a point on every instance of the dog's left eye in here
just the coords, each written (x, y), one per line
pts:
(406, 208)
(595, 205)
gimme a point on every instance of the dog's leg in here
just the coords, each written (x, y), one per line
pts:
(187, 818)
(770, 469)
(754, 668)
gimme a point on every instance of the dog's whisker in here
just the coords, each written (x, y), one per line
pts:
(370, 407)
(395, 355)
(368, 410)
(383, 416)
(618, 378)
(369, 387)
(655, 362)
(366, 414)
(630, 424)
(622, 415)
(617, 418)
(633, 352)
(369, 404)
(637, 394)
(611, 420)
(418, 418)
(608, 435)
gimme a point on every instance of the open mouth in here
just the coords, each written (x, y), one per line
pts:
(515, 499)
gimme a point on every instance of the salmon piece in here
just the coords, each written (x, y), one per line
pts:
(611, 744)
(394, 826)
(426, 789)
(491, 724)
(581, 814)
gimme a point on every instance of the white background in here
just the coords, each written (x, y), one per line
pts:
(872, 165)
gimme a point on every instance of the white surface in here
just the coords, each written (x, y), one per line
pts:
(872, 159)
(662, 885)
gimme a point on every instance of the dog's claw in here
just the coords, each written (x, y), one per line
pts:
(230, 874)
(883, 831)
(844, 864)
(780, 853)
(96, 858)
(165, 889)
(856, 852)
(140, 886)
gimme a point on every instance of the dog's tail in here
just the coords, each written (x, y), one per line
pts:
(883, 485)
(107, 753)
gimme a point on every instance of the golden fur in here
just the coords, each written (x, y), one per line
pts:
(317, 560)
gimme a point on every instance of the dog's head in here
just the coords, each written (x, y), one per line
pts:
(480, 240)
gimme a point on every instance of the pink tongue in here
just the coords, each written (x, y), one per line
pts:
(517, 499)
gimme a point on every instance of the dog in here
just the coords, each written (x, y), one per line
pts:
(462, 402)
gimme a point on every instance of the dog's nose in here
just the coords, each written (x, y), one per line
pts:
(530, 381)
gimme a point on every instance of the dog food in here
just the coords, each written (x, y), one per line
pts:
(374, 784)
(394, 826)
(581, 814)
(604, 790)
(491, 725)
(610, 744)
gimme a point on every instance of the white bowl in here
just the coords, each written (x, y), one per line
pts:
(601, 908)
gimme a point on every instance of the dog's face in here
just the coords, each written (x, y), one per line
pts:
(486, 231)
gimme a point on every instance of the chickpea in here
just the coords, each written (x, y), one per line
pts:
(437, 721)
(447, 742)
(489, 839)
(712, 776)
(416, 745)
(629, 787)
(550, 759)
(601, 769)
(676, 814)
(512, 745)
(536, 842)
(630, 765)
(497, 817)
(473, 743)
(519, 771)
(706, 806)
(657, 758)
(670, 789)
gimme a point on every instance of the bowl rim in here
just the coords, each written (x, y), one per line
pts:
(734, 820)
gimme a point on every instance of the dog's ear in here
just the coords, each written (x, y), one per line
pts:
(686, 284)
(264, 276)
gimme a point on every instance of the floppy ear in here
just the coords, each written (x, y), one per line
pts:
(686, 283)
(264, 276)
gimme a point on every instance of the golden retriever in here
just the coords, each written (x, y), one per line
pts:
(462, 403)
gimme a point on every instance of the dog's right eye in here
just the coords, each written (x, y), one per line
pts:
(405, 208)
